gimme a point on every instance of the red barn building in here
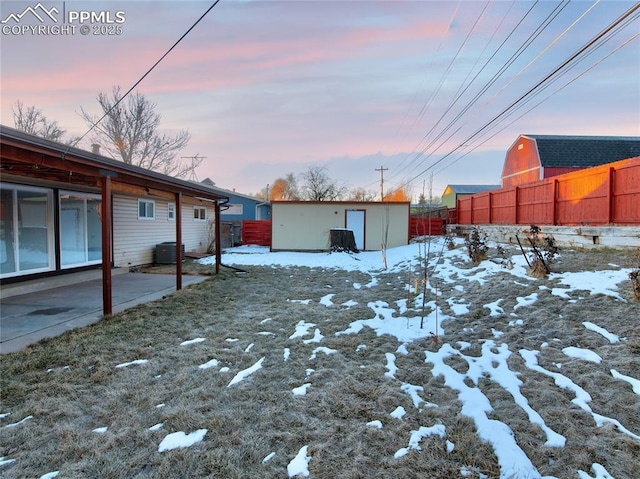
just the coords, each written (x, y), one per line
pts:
(536, 157)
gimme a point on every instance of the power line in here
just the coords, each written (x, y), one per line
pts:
(484, 88)
(521, 49)
(575, 78)
(427, 104)
(433, 57)
(93, 125)
(624, 17)
(584, 72)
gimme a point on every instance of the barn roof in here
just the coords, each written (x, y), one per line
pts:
(471, 189)
(584, 151)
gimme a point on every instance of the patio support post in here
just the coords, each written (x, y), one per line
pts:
(218, 240)
(178, 241)
(107, 298)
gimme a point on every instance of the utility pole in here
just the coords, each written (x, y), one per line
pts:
(382, 170)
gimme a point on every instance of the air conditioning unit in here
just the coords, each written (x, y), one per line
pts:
(166, 253)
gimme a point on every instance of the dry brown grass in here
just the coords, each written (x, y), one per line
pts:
(70, 384)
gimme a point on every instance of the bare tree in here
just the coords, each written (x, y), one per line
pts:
(31, 120)
(129, 132)
(360, 194)
(318, 186)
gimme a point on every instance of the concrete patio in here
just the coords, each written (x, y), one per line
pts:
(29, 313)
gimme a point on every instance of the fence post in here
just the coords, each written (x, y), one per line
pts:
(490, 209)
(471, 206)
(554, 219)
(516, 206)
(610, 196)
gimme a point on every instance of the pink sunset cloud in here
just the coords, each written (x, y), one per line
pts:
(287, 84)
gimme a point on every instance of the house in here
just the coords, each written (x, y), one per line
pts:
(536, 157)
(239, 208)
(306, 225)
(64, 209)
(453, 192)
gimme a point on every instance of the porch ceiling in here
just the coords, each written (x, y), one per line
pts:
(25, 155)
(19, 162)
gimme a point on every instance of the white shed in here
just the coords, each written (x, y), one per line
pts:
(306, 225)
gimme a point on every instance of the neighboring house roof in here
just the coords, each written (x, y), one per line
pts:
(471, 189)
(210, 184)
(559, 151)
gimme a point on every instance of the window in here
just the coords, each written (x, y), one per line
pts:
(232, 209)
(171, 211)
(146, 210)
(199, 213)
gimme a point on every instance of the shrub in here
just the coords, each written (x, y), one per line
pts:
(448, 241)
(634, 276)
(476, 243)
(543, 252)
(506, 262)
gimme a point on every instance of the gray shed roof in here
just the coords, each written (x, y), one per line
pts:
(471, 189)
(584, 151)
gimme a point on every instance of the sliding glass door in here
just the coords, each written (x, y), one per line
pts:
(80, 229)
(26, 225)
(27, 233)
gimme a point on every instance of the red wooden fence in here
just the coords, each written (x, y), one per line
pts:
(607, 194)
(420, 226)
(256, 232)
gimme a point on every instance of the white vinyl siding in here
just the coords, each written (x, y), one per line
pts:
(194, 233)
(135, 240)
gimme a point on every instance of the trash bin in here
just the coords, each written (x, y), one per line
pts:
(166, 253)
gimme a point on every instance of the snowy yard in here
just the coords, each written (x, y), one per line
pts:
(328, 365)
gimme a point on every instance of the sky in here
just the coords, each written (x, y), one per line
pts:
(397, 320)
(431, 92)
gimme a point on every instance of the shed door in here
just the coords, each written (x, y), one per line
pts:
(355, 223)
